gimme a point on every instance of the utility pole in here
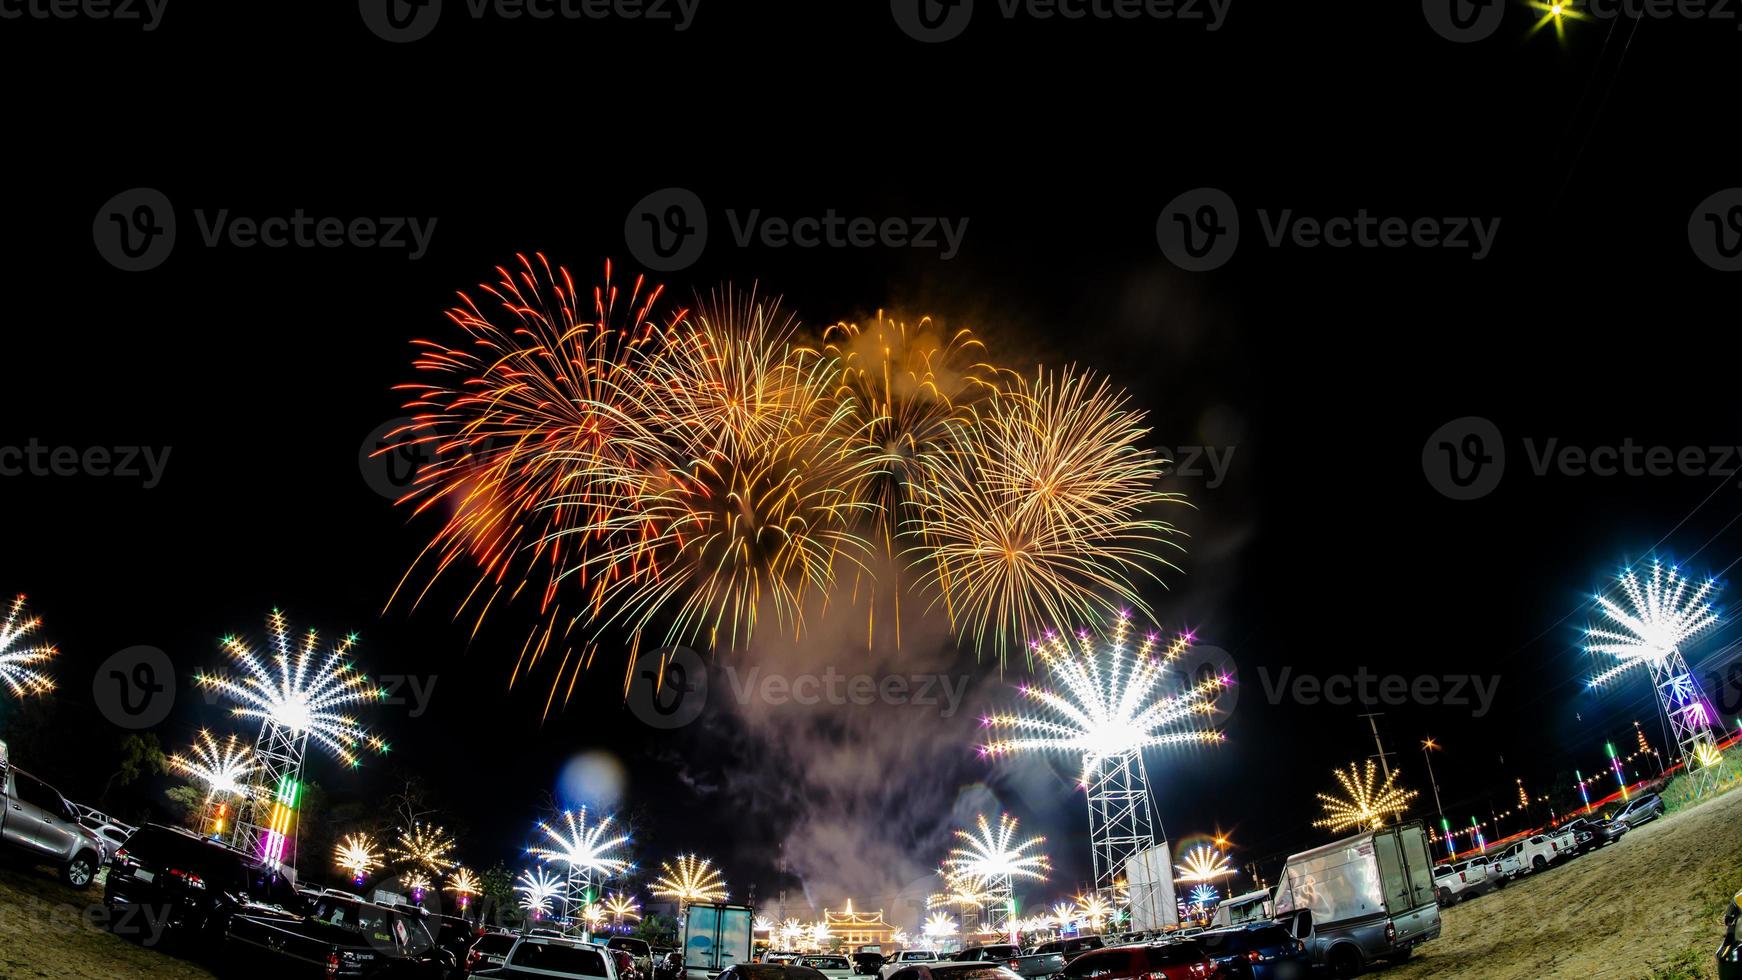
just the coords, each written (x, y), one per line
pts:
(1384, 756)
(1428, 745)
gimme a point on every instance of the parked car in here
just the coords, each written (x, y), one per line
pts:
(769, 971)
(113, 832)
(1034, 965)
(955, 970)
(200, 883)
(906, 957)
(1250, 907)
(555, 958)
(1591, 833)
(1256, 951)
(37, 822)
(1534, 853)
(1483, 873)
(626, 968)
(1451, 885)
(668, 966)
(1730, 953)
(1070, 947)
(1565, 840)
(339, 937)
(1643, 809)
(1181, 959)
(831, 965)
(638, 950)
(490, 951)
(867, 960)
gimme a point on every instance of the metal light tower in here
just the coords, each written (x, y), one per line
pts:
(1662, 612)
(1109, 708)
(294, 694)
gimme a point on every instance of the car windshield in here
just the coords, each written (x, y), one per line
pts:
(1001, 952)
(635, 947)
(918, 955)
(559, 958)
(495, 944)
(827, 963)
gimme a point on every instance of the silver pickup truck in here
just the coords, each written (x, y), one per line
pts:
(1033, 965)
(38, 822)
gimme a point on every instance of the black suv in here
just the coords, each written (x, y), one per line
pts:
(169, 879)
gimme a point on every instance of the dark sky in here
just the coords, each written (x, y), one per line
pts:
(1323, 371)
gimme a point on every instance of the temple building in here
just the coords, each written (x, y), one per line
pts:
(851, 928)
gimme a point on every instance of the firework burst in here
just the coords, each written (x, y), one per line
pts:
(18, 662)
(994, 854)
(939, 925)
(424, 847)
(1661, 613)
(1203, 863)
(743, 499)
(582, 849)
(623, 909)
(688, 880)
(463, 883)
(1041, 512)
(1109, 704)
(1365, 803)
(300, 688)
(1093, 909)
(356, 853)
(224, 767)
(538, 888)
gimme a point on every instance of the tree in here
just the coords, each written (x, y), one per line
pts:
(497, 903)
(187, 803)
(657, 929)
(141, 756)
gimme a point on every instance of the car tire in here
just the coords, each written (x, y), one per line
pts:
(80, 871)
(1538, 863)
(1344, 961)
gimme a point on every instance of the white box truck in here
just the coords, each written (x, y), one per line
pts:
(1362, 899)
(715, 937)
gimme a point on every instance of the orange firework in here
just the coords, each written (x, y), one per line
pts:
(522, 423)
(1040, 512)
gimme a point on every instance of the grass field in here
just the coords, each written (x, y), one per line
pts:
(1651, 905)
(49, 930)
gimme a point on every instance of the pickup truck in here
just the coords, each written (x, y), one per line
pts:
(341, 937)
(37, 822)
(1534, 853)
(1033, 965)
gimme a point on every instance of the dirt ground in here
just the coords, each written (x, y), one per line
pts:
(49, 930)
(1650, 905)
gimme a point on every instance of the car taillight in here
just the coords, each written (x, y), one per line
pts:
(333, 963)
(1254, 956)
(188, 877)
(121, 855)
(1391, 932)
(1013, 964)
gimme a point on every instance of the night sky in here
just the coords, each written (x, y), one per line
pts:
(1319, 374)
